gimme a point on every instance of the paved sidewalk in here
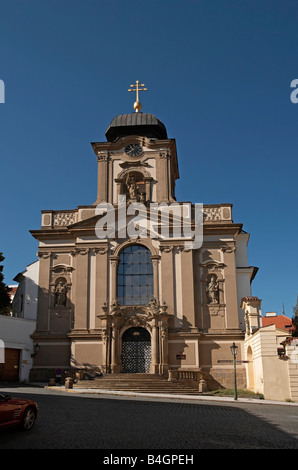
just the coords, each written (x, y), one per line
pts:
(123, 393)
(192, 398)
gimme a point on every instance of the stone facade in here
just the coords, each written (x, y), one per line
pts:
(195, 311)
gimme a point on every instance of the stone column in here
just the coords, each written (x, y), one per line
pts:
(113, 348)
(164, 361)
(154, 349)
(115, 366)
(105, 355)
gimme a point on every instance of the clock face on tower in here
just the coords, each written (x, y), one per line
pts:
(133, 150)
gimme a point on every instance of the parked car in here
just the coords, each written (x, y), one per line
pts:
(17, 412)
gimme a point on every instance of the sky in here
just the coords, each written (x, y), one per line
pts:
(218, 74)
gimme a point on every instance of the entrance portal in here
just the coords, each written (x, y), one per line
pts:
(136, 350)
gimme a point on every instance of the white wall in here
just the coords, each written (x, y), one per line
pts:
(271, 373)
(241, 257)
(15, 334)
(15, 331)
(243, 273)
(26, 297)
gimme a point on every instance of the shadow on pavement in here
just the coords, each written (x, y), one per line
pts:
(68, 421)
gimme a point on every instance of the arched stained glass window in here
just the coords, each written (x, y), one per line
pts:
(135, 276)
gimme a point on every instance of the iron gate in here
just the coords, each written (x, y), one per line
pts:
(136, 351)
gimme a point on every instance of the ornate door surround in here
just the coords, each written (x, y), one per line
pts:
(118, 319)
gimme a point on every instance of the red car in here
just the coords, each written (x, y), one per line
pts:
(17, 412)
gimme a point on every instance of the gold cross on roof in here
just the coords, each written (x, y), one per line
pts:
(137, 105)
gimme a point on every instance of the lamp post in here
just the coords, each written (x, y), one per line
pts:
(234, 350)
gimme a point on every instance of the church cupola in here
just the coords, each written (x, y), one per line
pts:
(146, 125)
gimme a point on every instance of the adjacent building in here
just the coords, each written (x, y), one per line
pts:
(16, 344)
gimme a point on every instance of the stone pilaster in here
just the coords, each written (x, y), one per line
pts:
(114, 261)
(232, 317)
(42, 325)
(163, 177)
(187, 284)
(167, 278)
(154, 349)
(155, 262)
(101, 291)
(102, 185)
(81, 294)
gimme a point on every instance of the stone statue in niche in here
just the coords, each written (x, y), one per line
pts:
(212, 290)
(132, 187)
(60, 293)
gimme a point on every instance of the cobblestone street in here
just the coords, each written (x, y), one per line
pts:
(73, 421)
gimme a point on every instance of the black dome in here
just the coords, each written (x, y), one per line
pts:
(136, 124)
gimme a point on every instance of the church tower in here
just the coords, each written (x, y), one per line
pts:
(119, 297)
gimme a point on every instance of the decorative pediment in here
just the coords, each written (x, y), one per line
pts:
(135, 164)
(62, 269)
(128, 168)
(213, 265)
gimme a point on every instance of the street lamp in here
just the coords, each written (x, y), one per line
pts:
(234, 350)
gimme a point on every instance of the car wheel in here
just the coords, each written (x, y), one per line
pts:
(28, 419)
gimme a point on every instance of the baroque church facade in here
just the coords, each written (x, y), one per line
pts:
(126, 303)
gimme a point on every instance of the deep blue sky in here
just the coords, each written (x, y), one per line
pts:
(218, 74)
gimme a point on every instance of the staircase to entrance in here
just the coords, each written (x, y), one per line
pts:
(139, 383)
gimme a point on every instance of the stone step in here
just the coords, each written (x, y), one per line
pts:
(92, 384)
(180, 391)
(127, 379)
(140, 383)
